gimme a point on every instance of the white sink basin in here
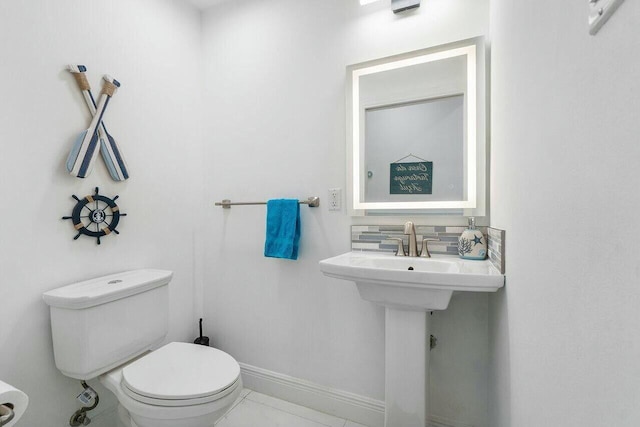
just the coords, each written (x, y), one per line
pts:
(408, 288)
(412, 283)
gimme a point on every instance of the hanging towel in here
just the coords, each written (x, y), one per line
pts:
(283, 229)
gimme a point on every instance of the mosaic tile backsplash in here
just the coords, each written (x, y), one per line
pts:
(377, 238)
(495, 248)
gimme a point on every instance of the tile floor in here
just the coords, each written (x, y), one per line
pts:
(254, 409)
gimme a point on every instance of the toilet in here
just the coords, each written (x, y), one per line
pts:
(112, 328)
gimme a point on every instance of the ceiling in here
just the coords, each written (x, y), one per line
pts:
(204, 4)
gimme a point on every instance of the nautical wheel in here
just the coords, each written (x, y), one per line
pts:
(95, 216)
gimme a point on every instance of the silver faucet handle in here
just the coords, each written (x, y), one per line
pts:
(424, 253)
(400, 250)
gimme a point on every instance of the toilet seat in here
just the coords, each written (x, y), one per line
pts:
(181, 374)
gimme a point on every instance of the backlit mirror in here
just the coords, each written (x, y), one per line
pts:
(417, 132)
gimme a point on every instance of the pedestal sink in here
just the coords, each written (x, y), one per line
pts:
(408, 288)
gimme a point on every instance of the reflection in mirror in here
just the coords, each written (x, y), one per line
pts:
(431, 131)
(417, 132)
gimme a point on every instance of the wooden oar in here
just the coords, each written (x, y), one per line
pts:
(85, 150)
(109, 149)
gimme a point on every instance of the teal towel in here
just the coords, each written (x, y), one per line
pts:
(283, 229)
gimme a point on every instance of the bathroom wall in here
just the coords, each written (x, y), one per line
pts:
(564, 185)
(275, 127)
(153, 48)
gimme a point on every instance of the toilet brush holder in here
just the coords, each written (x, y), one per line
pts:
(201, 340)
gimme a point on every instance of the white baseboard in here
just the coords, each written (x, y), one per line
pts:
(436, 421)
(342, 404)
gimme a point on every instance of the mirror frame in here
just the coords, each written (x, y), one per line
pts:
(476, 172)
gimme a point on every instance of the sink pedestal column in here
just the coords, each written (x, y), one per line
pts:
(406, 368)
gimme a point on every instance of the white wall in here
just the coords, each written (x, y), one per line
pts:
(564, 185)
(274, 74)
(153, 48)
(273, 127)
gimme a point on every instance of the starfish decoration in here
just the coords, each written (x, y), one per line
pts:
(477, 239)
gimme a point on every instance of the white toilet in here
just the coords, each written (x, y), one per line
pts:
(110, 327)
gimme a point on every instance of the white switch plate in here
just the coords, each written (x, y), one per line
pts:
(599, 13)
(335, 199)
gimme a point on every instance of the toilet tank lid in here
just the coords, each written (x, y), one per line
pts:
(105, 289)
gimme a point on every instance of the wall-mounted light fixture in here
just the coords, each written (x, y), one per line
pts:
(397, 5)
(401, 5)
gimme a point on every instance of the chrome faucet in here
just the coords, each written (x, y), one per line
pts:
(412, 250)
(410, 230)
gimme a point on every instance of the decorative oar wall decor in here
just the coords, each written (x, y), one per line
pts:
(109, 149)
(95, 216)
(85, 150)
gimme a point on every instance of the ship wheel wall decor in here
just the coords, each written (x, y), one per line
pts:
(95, 216)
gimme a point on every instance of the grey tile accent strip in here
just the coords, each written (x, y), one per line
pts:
(378, 239)
(495, 248)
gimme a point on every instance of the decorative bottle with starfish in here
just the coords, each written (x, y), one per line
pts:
(472, 244)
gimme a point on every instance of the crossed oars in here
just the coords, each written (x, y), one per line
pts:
(85, 150)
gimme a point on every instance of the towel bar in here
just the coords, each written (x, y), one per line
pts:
(313, 202)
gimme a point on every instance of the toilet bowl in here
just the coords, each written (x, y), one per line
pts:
(178, 385)
(113, 328)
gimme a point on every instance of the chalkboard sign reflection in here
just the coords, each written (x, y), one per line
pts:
(411, 178)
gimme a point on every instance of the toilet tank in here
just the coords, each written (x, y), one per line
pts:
(101, 323)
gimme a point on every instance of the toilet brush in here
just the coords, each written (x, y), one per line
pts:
(202, 340)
